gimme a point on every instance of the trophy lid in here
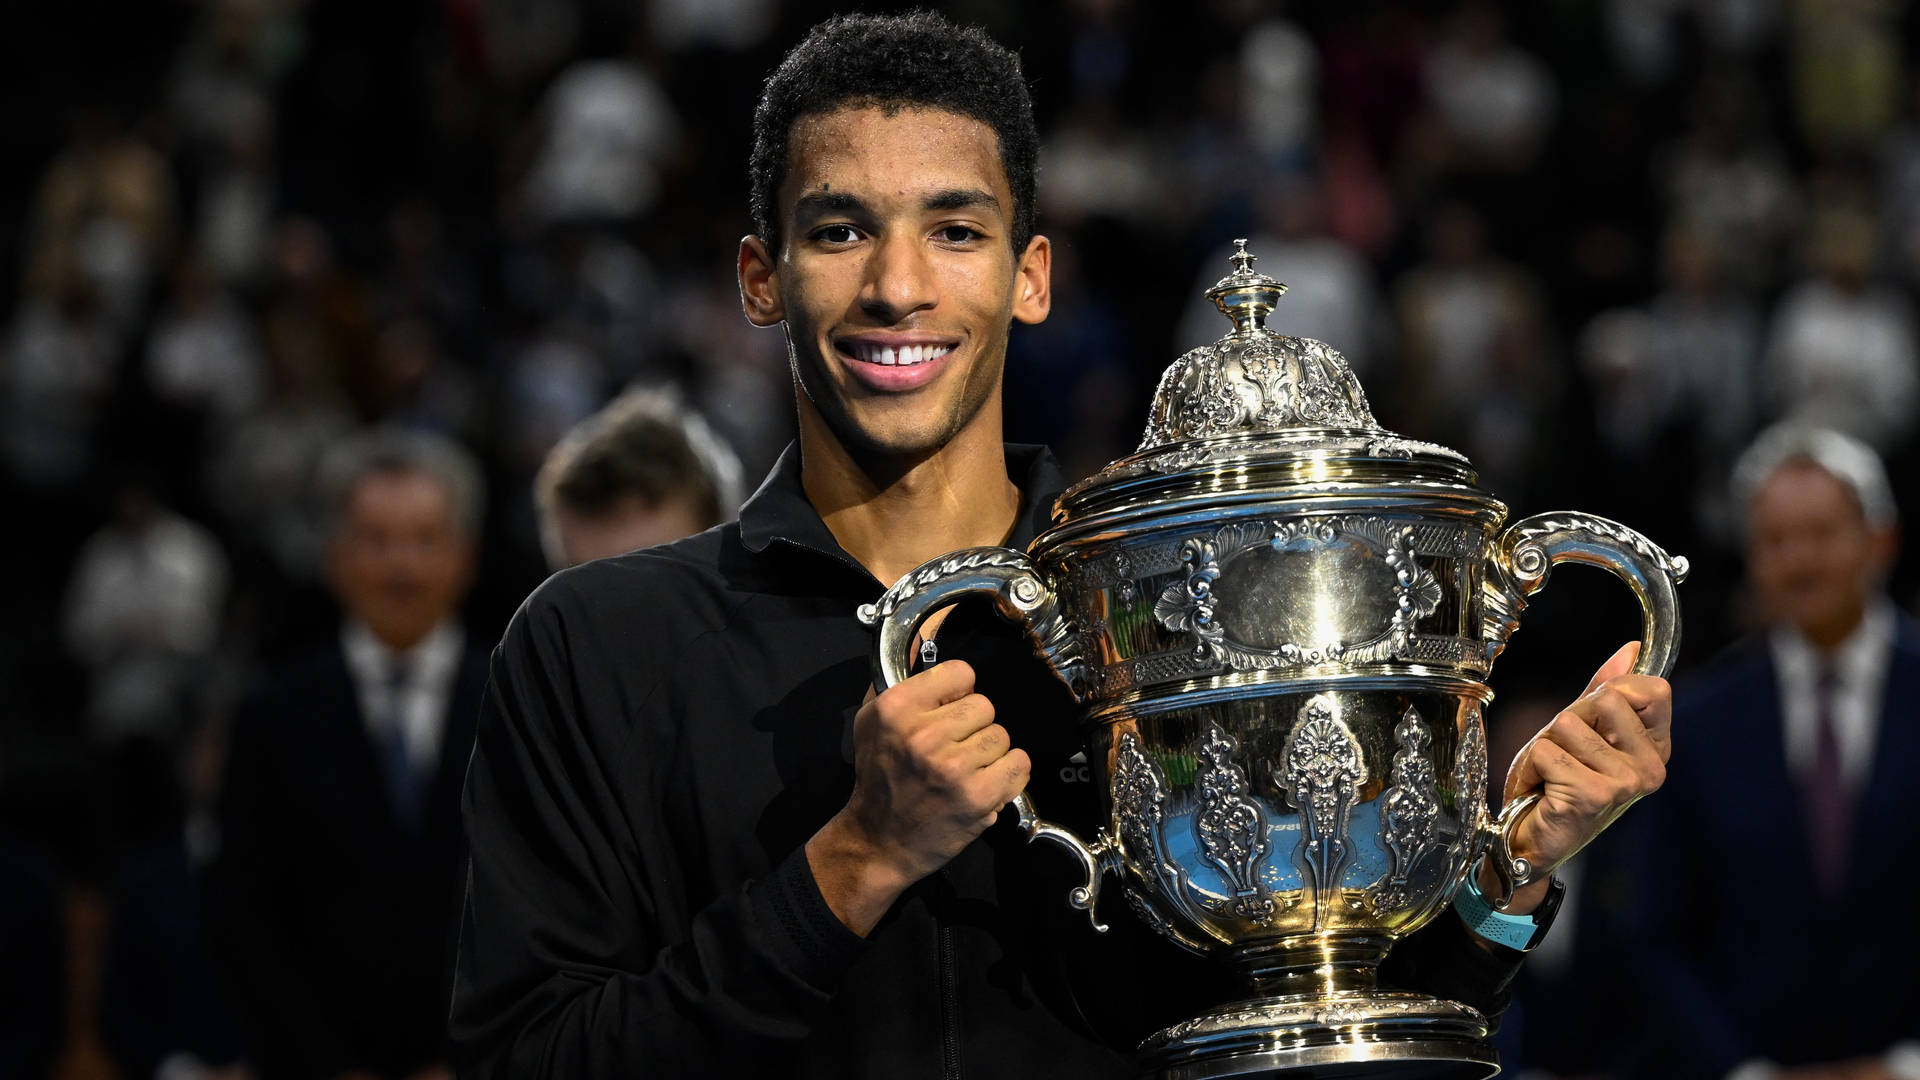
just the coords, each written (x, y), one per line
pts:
(1259, 409)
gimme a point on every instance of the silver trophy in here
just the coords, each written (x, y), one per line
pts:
(1277, 619)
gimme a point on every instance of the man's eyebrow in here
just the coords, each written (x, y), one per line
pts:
(960, 199)
(818, 203)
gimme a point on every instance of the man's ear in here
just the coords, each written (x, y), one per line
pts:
(1033, 282)
(759, 283)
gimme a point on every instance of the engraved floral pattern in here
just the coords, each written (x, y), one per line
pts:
(1323, 771)
(1416, 592)
(1139, 799)
(1470, 774)
(1187, 606)
(1408, 808)
(1230, 827)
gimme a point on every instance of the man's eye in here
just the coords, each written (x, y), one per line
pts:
(958, 234)
(837, 234)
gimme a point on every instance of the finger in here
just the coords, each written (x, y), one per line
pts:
(938, 685)
(961, 720)
(1542, 762)
(986, 746)
(1624, 730)
(1651, 698)
(1007, 777)
(1576, 734)
(1620, 663)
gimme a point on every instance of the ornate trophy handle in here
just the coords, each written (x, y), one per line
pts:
(1525, 554)
(1020, 595)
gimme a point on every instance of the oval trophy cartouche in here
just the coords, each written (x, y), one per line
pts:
(1278, 619)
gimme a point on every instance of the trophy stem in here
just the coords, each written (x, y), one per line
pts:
(1313, 965)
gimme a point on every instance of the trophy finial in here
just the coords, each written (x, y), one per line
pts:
(1243, 259)
(1246, 295)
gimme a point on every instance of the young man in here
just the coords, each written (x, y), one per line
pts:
(696, 852)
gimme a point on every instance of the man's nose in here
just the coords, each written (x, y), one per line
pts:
(899, 280)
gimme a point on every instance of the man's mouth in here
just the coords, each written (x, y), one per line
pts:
(894, 355)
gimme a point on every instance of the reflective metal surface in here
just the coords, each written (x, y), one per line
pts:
(1278, 619)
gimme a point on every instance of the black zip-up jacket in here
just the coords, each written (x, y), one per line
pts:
(663, 732)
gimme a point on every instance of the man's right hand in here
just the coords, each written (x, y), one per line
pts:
(931, 772)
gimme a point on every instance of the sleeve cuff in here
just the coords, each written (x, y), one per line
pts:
(812, 939)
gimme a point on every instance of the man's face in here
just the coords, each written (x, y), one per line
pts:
(628, 525)
(895, 277)
(1814, 560)
(399, 562)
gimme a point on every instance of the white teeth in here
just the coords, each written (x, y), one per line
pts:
(907, 355)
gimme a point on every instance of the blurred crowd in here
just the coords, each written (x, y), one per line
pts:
(1597, 246)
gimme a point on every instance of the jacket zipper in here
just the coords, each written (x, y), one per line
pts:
(949, 1009)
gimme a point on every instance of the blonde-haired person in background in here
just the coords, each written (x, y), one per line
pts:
(642, 471)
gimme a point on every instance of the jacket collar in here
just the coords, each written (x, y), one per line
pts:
(779, 510)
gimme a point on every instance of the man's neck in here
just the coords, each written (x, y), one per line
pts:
(892, 515)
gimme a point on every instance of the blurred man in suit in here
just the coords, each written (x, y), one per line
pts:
(642, 471)
(1779, 869)
(341, 842)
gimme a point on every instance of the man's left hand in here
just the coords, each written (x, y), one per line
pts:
(1596, 758)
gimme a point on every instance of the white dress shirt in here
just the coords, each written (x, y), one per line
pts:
(1860, 682)
(424, 696)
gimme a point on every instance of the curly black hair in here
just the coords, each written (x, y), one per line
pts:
(919, 59)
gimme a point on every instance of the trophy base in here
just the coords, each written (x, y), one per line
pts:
(1324, 1036)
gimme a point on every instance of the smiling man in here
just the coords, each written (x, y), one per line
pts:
(698, 848)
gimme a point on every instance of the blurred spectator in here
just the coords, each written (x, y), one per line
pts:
(1280, 92)
(1473, 342)
(143, 612)
(1066, 378)
(341, 848)
(1899, 185)
(1725, 173)
(1846, 70)
(203, 354)
(732, 25)
(739, 378)
(1790, 800)
(1495, 100)
(1097, 167)
(56, 375)
(106, 208)
(1672, 387)
(645, 470)
(1330, 294)
(1842, 351)
(233, 229)
(608, 133)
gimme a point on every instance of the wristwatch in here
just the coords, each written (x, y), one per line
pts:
(1520, 932)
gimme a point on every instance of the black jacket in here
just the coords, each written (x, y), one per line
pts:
(663, 732)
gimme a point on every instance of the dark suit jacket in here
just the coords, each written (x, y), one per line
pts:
(334, 924)
(1744, 958)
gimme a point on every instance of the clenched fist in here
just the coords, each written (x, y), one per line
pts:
(1599, 756)
(931, 772)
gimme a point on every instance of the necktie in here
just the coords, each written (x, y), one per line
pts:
(403, 780)
(1826, 794)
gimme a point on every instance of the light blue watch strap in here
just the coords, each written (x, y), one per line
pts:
(1514, 931)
